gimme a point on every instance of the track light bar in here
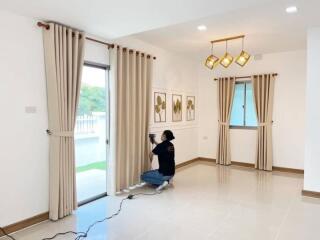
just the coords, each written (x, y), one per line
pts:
(227, 39)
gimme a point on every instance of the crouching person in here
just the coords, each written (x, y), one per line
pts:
(165, 152)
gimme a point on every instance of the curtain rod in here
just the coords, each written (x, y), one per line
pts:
(110, 45)
(242, 77)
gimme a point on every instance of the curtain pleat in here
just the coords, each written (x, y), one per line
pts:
(225, 96)
(139, 136)
(133, 78)
(64, 53)
(263, 89)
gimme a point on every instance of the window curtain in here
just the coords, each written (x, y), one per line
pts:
(225, 96)
(64, 53)
(132, 75)
(263, 89)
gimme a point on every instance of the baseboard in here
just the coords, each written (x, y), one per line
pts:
(288, 170)
(26, 223)
(274, 168)
(199, 159)
(242, 164)
(307, 193)
(183, 164)
(212, 160)
(251, 165)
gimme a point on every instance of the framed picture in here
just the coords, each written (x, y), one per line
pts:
(160, 107)
(191, 108)
(176, 108)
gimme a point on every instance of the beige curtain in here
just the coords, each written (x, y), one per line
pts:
(64, 49)
(133, 77)
(263, 89)
(225, 96)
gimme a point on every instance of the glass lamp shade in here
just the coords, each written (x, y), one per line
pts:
(211, 61)
(226, 60)
(243, 58)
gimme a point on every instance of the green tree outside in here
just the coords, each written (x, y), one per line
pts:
(92, 99)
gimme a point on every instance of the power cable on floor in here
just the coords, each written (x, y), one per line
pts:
(83, 235)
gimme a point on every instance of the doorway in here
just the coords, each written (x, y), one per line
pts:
(92, 133)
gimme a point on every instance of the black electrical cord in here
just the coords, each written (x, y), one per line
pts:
(62, 233)
(83, 235)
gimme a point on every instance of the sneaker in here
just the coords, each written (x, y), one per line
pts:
(142, 184)
(162, 186)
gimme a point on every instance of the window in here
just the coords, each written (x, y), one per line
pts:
(243, 113)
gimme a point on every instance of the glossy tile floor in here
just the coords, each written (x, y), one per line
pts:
(206, 202)
(91, 183)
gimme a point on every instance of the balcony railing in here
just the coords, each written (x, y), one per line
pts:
(85, 124)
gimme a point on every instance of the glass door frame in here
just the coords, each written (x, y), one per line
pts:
(107, 82)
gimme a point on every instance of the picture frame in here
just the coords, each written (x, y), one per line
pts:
(190, 108)
(160, 107)
(176, 108)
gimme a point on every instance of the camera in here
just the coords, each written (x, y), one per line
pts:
(152, 137)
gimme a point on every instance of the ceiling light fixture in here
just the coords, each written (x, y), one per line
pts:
(227, 59)
(202, 27)
(292, 9)
(211, 61)
(244, 57)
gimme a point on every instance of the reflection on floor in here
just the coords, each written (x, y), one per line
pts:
(206, 202)
(91, 183)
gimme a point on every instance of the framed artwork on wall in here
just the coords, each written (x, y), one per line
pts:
(176, 108)
(191, 108)
(160, 108)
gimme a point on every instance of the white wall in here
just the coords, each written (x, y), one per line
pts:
(312, 154)
(23, 142)
(289, 110)
(173, 74)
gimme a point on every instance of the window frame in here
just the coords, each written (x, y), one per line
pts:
(96, 65)
(245, 82)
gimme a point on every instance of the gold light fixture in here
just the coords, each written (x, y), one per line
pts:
(227, 59)
(244, 57)
(211, 61)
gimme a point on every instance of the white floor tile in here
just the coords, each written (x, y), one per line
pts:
(206, 202)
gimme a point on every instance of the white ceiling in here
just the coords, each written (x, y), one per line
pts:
(172, 24)
(268, 29)
(116, 18)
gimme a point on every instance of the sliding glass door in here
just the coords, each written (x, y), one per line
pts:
(91, 133)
